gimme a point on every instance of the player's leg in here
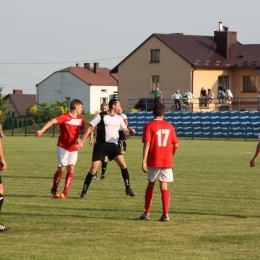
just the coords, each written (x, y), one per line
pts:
(165, 176)
(61, 162)
(68, 181)
(119, 159)
(88, 179)
(119, 144)
(124, 146)
(104, 167)
(149, 192)
(3, 228)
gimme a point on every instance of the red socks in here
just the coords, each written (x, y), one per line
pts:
(165, 201)
(68, 181)
(148, 198)
(56, 180)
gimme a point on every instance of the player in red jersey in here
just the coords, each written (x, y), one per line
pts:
(160, 144)
(67, 153)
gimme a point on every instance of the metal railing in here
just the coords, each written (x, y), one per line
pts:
(238, 104)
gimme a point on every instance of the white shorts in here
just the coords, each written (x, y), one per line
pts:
(163, 174)
(65, 158)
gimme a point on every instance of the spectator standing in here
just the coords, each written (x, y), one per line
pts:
(229, 96)
(67, 154)
(157, 95)
(160, 144)
(177, 99)
(203, 96)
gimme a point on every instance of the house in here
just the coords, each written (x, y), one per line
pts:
(189, 62)
(92, 85)
(17, 103)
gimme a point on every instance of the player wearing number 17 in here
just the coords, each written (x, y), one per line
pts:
(160, 144)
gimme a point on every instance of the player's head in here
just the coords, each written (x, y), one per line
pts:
(104, 107)
(113, 102)
(75, 103)
(158, 110)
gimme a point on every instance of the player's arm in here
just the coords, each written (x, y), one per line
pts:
(175, 147)
(45, 127)
(257, 152)
(3, 164)
(146, 147)
(91, 138)
(1, 132)
(80, 141)
(126, 122)
(128, 132)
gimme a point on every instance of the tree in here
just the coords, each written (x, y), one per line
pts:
(41, 112)
(3, 113)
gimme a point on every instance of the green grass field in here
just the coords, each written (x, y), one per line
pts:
(214, 211)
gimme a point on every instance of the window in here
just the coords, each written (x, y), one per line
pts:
(103, 100)
(223, 82)
(103, 90)
(68, 100)
(249, 84)
(9, 101)
(154, 55)
(155, 83)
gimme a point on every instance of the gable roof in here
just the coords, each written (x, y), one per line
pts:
(201, 51)
(102, 78)
(21, 102)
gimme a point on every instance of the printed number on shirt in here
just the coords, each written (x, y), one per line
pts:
(163, 135)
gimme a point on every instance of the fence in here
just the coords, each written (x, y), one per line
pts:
(238, 104)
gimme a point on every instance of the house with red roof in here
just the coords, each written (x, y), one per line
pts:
(92, 85)
(17, 103)
(188, 63)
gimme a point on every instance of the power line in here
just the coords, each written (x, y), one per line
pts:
(56, 62)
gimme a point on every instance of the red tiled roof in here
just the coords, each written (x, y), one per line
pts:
(201, 52)
(102, 78)
(21, 102)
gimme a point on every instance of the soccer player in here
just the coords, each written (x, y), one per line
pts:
(67, 151)
(122, 136)
(3, 167)
(108, 124)
(160, 144)
(103, 108)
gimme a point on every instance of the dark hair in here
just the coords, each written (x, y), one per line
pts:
(158, 109)
(112, 102)
(74, 103)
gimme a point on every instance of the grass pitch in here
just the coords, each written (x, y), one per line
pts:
(214, 211)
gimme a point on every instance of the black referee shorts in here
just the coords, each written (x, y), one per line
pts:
(102, 149)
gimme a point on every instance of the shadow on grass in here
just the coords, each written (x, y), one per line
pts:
(51, 214)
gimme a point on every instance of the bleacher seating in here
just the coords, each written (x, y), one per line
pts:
(216, 124)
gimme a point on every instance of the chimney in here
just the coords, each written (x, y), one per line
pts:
(77, 64)
(17, 91)
(87, 65)
(224, 40)
(96, 67)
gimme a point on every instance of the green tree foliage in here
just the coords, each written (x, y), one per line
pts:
(42, 112)
(3, 114)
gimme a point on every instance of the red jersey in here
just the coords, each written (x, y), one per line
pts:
(69, 130)
(162, 138)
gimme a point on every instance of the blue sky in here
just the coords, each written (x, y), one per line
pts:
(40, 37)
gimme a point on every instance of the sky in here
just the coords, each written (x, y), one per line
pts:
(39, 37)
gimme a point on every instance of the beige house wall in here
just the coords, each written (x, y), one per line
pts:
(135, 73)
